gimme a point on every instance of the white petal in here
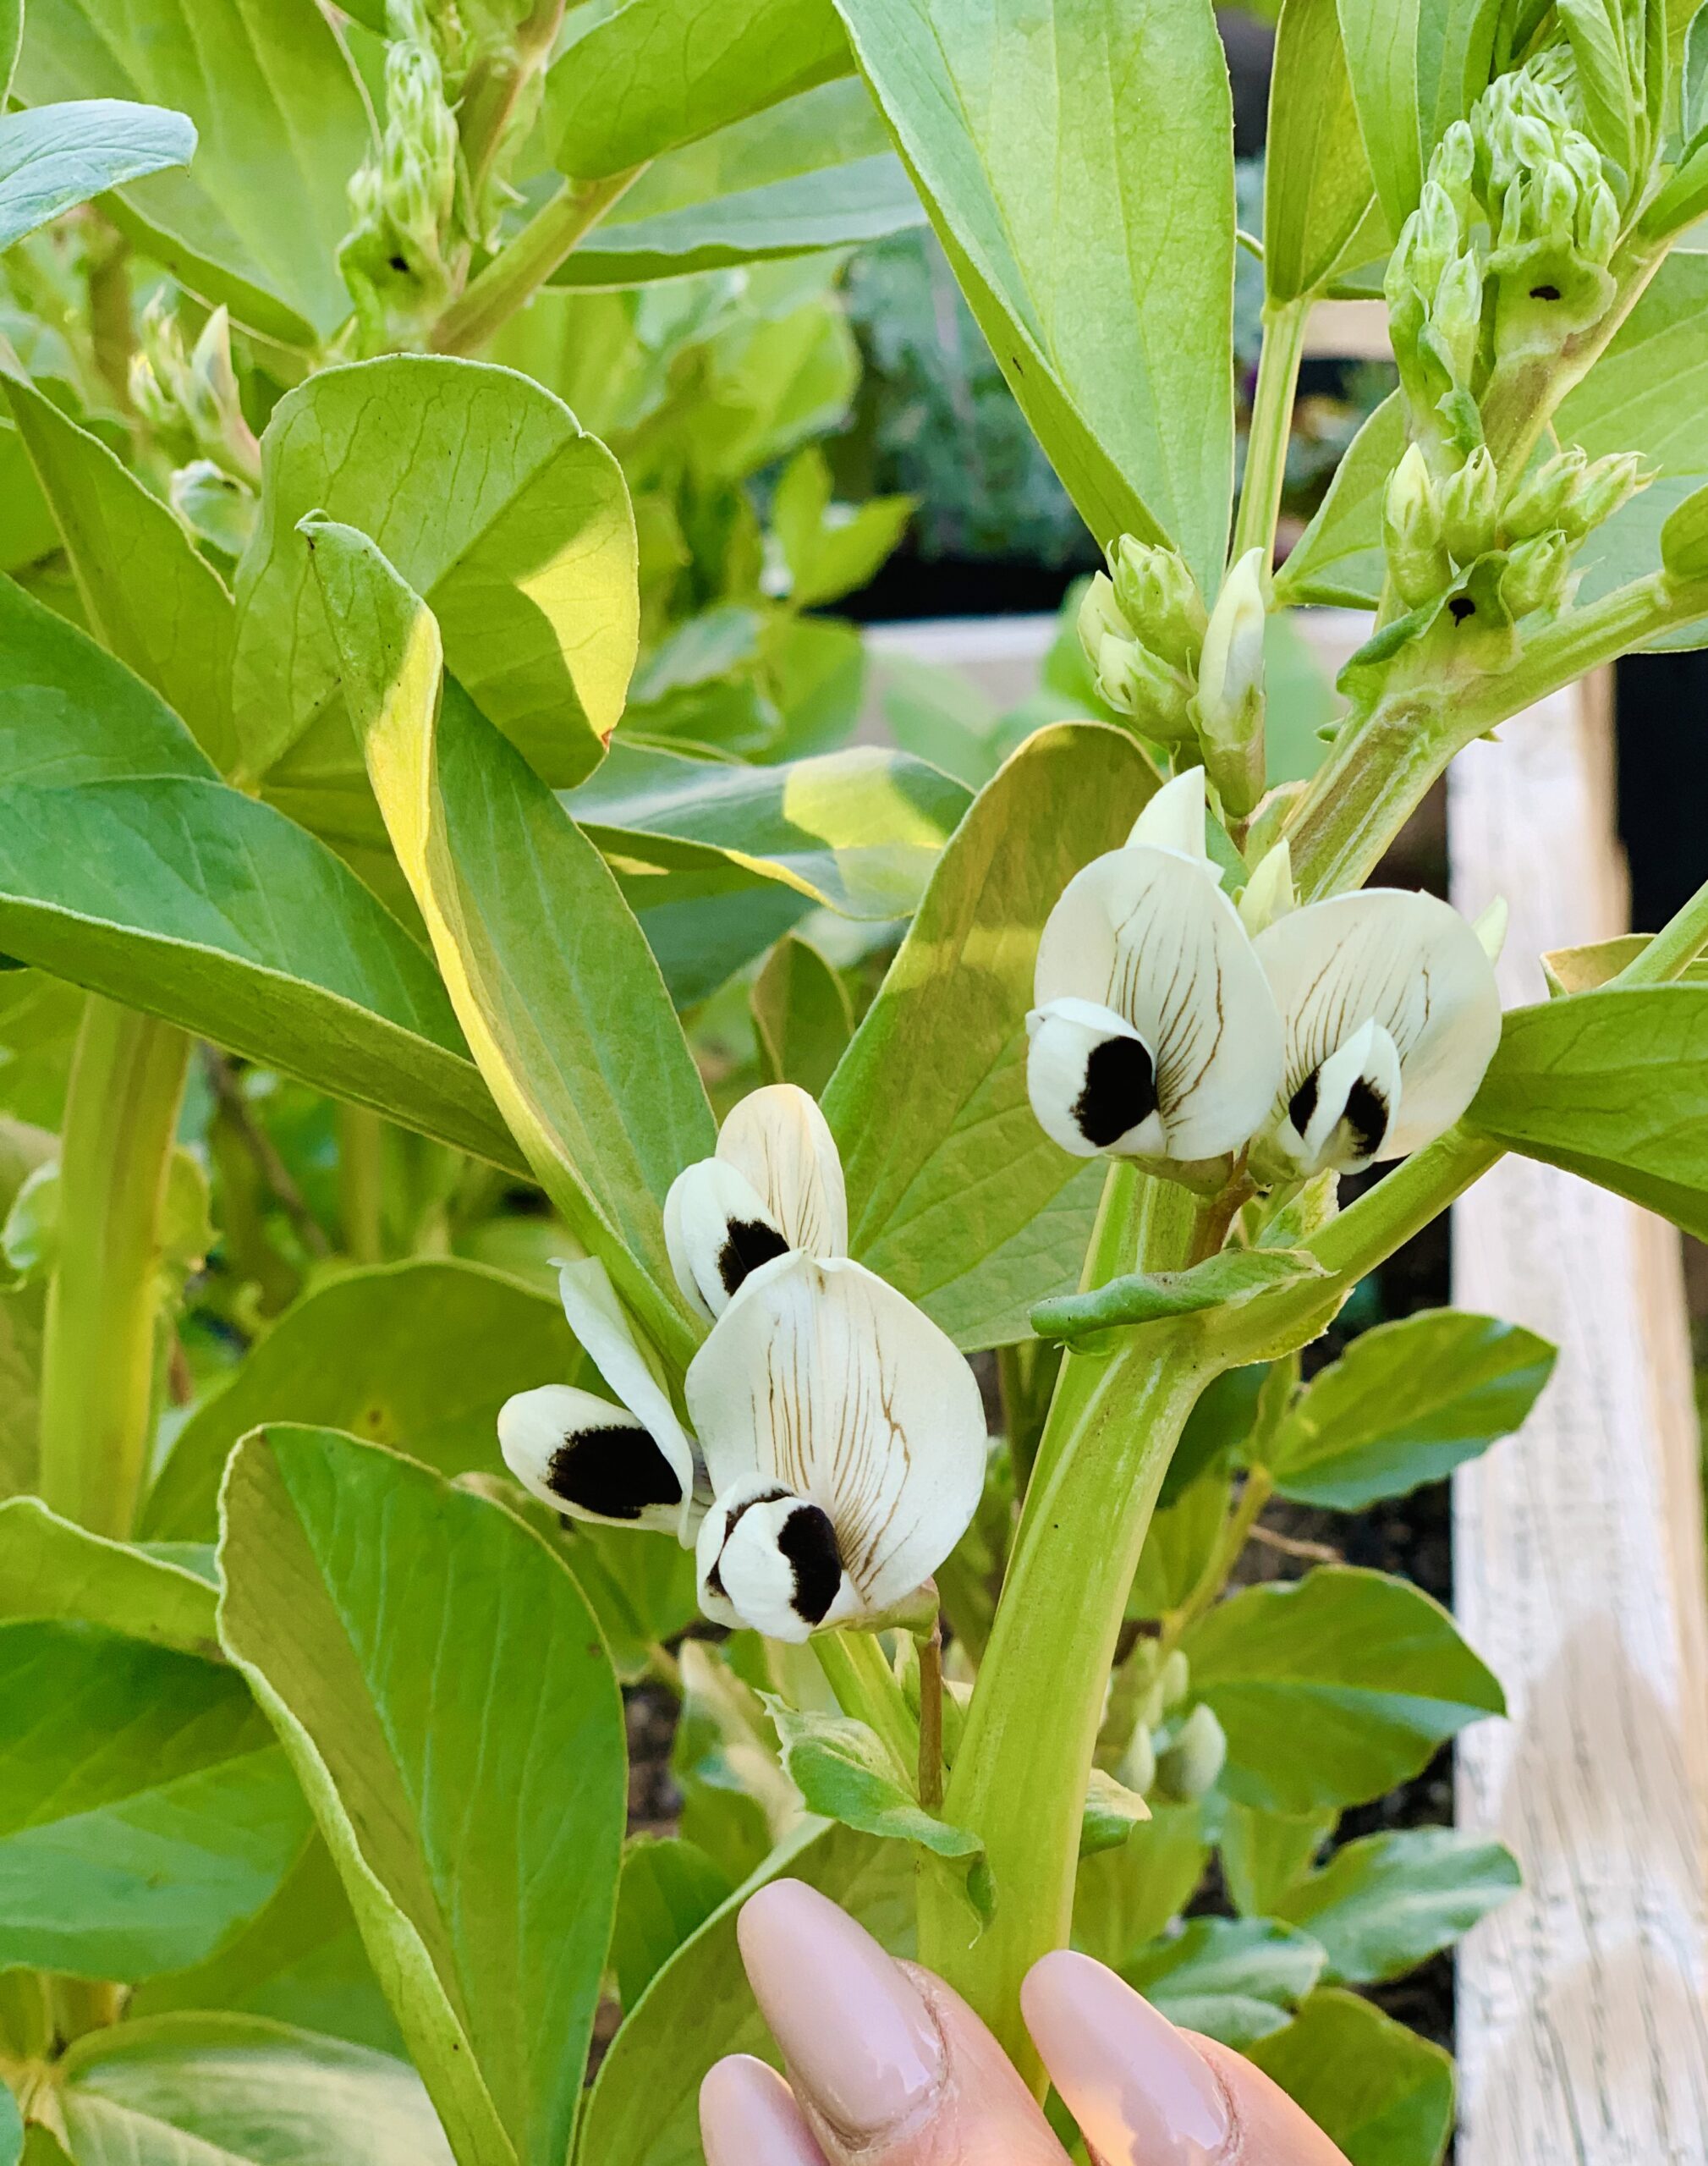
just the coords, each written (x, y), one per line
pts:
(1174, 821)
(597, 1319)
(821, 1380)
(1092, 1081)
(1341, 1113)
(717, 1230)
(771, 1560)
(1143, 932)
(1409, 962)
(580, 1454)
(777, 1137)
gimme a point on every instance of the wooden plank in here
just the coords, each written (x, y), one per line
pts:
(1578, 1569)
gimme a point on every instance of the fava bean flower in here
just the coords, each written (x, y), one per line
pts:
(1391, 1015)
(1155, 1035)
(775, 1184)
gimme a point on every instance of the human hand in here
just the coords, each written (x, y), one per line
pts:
(887, 2067)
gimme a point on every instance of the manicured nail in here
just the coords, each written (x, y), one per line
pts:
(1141, 2094)
(748, 2117)
(856, 2034)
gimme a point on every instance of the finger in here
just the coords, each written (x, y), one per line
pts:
(1147, 2094)
(889, 2067)
(748, 2117)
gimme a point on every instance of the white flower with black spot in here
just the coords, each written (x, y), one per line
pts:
(1155, 1035)
(1392, 1016)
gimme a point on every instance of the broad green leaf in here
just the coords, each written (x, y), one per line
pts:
(1381, 1906)
(1406, 1403)
(299, 1961)
(644, 2110)
(1318, 195)
(1613, 1086)
(127, 866)
(1333, 1687)
(859, 831)
(1075, 156)
(243, 2092)
(648, 74)
(420, 1354)
(815, 172)
(1124, 1898)
(281, 120)
(49, 1567)
(1383, 2094)
(549, 971)
(801, 1012)
(641, 1587)
(1589, 968)
(493, 503)
(705, 925)
(1234, 1979)
(1111, 1813)
(845, 1771)
(738, 1804)
(20, 1378)
(967, 1206)
(830, 549)
(144, 1808)
(11, 2121)
(11, 37)
(152, 600)
(1684, 537)
(1265, 1853)
(441, 1688)
(1339, 559)
(1230, 1279)
(669, 1888)
(27, 531)
(1416, 67)
(60, 156)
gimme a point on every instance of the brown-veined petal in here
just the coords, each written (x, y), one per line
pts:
(1406, 962)
(823, 1384)
(777, 1137)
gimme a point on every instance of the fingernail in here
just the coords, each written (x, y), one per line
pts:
(748, 2117)
(852, 2026)
(1140, 2092)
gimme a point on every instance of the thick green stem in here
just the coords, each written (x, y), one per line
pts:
(865, 1688)
(1271, 419)
(362, 1183)
(103, 1300)
(517, 273)
(1673, 949)
(1019, 1777)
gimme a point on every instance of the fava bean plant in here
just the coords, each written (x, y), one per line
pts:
(515, 1126)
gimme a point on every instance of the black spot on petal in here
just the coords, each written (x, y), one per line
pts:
(616, 1472)
(1366, 1117)
(1119, 1092)
(747, 1244)
(1545, 293)
(1460, 607)
(1303, 1104)
(808, 1540)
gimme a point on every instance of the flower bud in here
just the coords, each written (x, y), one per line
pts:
(1456, 317)
(1536, 574)
(1175, 1681)
(1138, 1768)
(1469, 502)
(1539, 503)
(1556, 203)
(1099, 616)
(1607, 486)
(1453, 169)
(1412, 527)
(1229, 704)
(1598, 223)
(1159, 597)
(1192, 1765)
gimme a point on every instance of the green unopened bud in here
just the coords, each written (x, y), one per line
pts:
(1135, 682)
(1159, 600)
(1269, 892)
(1469, 502)
(1456, 317)
(1436, 240)
(1138, 1768)
(1176, 1679)
(1607, 486)
(1453, 170)
(1191, 1766)
(1412, 528)
(1541, 501)
(1536, 574)
(1556, 202)
(1229, 706)
(1099, 616)
(1598, 222)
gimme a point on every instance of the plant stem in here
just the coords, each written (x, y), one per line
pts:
(103, 1299)
(932, 1719)
(263, 1151)
(865, 1688)
(1673, 949)
(362, 1183)
(518, 271)
(1259, 1488)
(1271, 418)
(1018, 1781)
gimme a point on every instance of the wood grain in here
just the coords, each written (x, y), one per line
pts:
(1578, 1569)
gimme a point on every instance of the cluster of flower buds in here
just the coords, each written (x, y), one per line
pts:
(404, 256)
(838, 1446)
(1188, 678)
(189, 399)
(1436, 534)
(1175, 1753)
